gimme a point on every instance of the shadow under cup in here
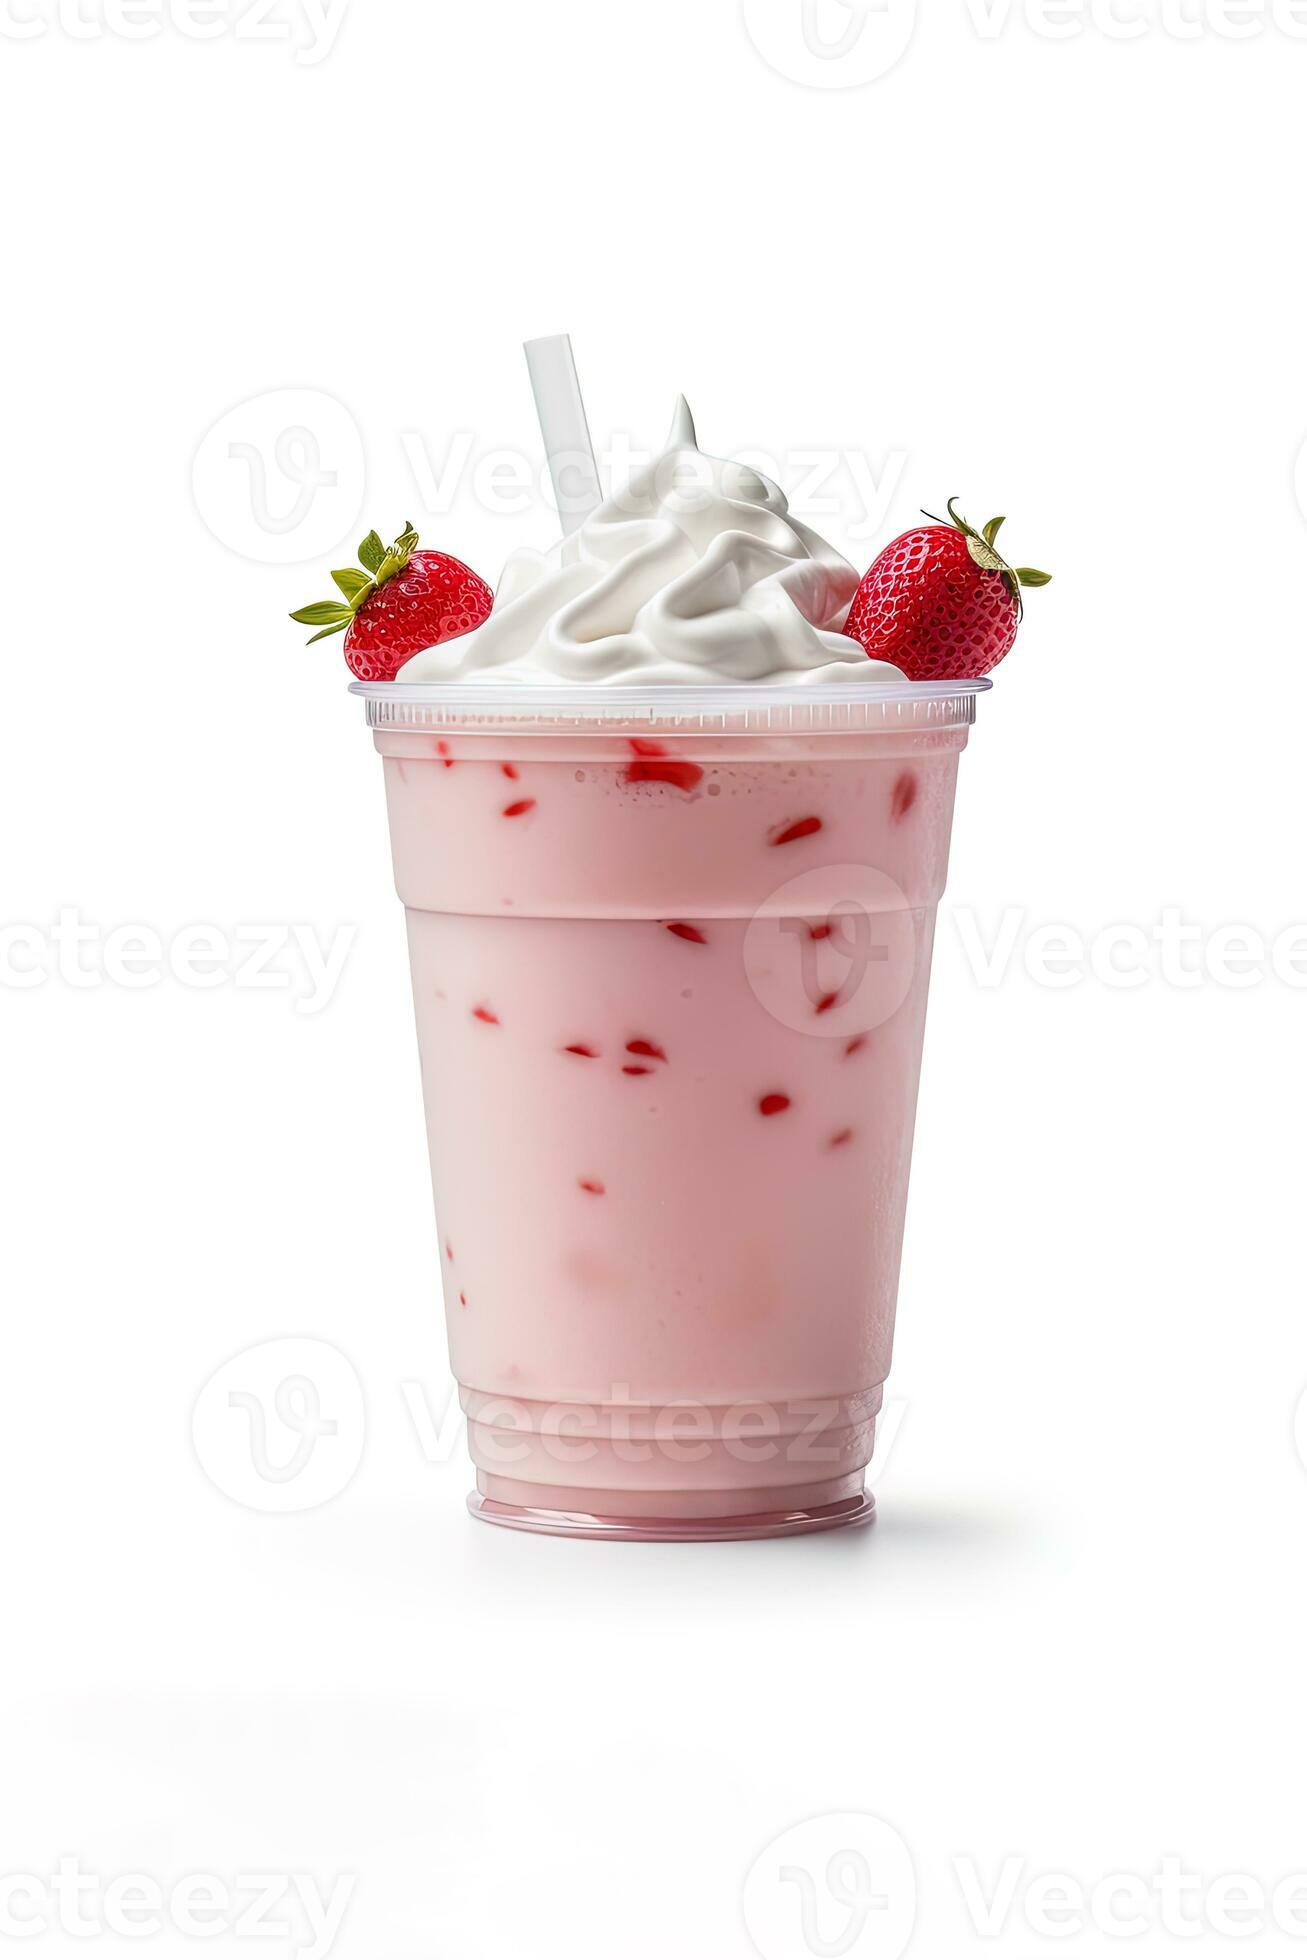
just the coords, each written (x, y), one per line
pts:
(670, 954)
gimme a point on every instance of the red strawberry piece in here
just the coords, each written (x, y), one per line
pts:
(442, 748)
(579, 1048)
(632, 1069)
(509, 770)
(773, 1105)
(905, 795)
(857, 1044)
(651, 766)
(484, 1014)
(791, 833)
(820, 932)
(649, 1049)
(402, 602)
(592, 1185)
(827, 1001)
(939, 603)
(840, 1138)
(520, 808)
(691, 933)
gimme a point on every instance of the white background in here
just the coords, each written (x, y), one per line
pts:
(1056, 272)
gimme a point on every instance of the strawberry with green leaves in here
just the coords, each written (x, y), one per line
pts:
(939, 603)
(402, 602)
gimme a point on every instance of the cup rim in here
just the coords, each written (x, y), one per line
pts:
(574, 694)
(824, 705)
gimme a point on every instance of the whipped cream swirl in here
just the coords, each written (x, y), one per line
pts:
(695, 572)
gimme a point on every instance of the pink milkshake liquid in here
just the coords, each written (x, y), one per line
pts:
(670, 955)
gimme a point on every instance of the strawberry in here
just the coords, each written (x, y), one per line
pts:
(403, 601)
(939, 603)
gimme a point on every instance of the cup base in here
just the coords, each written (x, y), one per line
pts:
(859, 1509)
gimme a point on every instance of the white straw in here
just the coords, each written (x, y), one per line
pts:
(565, 429)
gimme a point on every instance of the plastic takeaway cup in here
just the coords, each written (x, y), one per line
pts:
(670, 954)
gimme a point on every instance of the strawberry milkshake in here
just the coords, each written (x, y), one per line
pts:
(671, 845)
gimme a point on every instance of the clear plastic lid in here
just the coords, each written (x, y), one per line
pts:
(738, 708)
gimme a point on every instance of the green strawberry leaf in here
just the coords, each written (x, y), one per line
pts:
(327, 632)
(322, 611)
(1026, 576)
(371, 552)
(992, 529)
(352, 583)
